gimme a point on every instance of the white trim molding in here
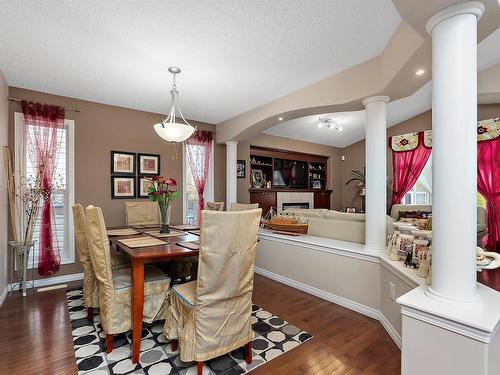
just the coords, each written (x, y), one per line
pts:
(50, 281)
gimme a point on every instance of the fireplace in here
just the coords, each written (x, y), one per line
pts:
(292, 199)
(298, 205)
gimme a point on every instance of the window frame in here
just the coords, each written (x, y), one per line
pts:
(68, 253)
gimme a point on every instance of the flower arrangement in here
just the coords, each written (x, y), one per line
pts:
(162, 190)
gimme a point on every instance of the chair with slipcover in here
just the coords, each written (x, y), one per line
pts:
(215, 206)
(142, 213)
(210, 316)
(115, 286)
(243, 206)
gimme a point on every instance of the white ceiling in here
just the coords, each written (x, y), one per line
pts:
(235, 54)
(353, 123)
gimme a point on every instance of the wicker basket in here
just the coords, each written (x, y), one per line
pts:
(286, 225)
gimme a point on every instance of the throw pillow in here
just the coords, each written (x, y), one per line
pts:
(419, 223)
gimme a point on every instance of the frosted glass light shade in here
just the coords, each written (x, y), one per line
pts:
(174, 131)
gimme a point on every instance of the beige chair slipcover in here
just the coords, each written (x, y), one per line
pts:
(215, 206)
(243, 206)
(90, 284)
(115, 287)
(211, 315)
(142, 213)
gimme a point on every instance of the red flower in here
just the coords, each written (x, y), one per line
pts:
(170, 182)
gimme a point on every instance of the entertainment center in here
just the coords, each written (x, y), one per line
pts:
(284, 179)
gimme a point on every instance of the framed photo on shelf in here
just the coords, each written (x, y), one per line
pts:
(122, 187)
(241, 168)
(148, 164)
(143, 183)
(316, 184)
(258, 178)
(122, 163)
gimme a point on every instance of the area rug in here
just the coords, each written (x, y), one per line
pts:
(272, 337)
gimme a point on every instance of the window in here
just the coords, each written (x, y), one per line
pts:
(62, 198)
(421, 193)
(190, 195)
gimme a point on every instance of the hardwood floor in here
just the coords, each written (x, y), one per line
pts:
(35, 335)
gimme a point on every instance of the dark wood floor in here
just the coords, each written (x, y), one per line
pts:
(35, 335)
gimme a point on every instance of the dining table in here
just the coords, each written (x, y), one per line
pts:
(141, 255)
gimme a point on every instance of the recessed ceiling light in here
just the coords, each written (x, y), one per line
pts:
(320, 125)
(280, 118)
(420, 72)
(339, 128)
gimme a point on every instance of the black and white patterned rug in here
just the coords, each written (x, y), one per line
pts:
(272, 337)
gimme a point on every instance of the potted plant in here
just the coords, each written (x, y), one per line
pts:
(161, 191)
(360, 178)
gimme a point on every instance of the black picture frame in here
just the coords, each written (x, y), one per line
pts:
(241, 168)
(140, 171)
(116, 172)
(138, 188)
(115, 179)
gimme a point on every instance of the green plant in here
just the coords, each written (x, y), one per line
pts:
(358, 176)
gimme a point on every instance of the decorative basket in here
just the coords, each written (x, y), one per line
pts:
(286, 225)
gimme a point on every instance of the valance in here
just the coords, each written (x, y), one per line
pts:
(486, 130)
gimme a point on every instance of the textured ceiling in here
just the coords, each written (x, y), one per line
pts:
(235, 54)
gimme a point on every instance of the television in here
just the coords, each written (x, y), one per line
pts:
(289, 173)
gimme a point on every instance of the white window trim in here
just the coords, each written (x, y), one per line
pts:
(67, 257)
(209, 188)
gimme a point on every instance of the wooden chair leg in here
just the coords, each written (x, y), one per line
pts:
(174, 345)
(109, 343)
(90, 314)
(248, 352)
(199, 365)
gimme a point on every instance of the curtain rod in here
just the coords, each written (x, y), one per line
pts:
(66, 108)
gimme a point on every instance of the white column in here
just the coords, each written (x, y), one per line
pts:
(231, 179)
(375, 161)
(454, 141)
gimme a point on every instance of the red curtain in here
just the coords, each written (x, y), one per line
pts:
(199, 148)
(43, 126)
(488, 184)
(406, 168)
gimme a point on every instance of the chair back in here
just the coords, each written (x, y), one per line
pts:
(101, 258)
(142, 213)
(215, 206)
(224, 286)
(90, 284)
(243, 206)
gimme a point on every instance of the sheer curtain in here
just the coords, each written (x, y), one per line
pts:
(198, 149)
(42, 127)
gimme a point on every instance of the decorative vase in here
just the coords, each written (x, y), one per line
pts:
(164, 216)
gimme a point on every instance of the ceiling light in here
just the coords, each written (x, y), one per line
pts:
(339, 128)
(171, 128)
(320, 125)
(280, 118)
(420, 72)
(330, 124)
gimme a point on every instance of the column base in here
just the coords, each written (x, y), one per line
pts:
(441, 297)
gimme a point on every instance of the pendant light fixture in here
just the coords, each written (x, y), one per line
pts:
(173, 128)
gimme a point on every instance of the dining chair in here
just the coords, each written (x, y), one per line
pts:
(90, 283)
(210, 316)
(115, 286)
(142, 213)
(243, 206)
(215, 206)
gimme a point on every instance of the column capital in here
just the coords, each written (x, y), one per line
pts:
(377, 98)
(231, 142)
(468, 7)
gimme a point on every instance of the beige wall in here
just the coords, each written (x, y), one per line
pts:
(4, 121)
(101, 128)
(265, 140)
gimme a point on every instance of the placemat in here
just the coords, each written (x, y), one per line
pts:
(195, 232)
(149, 226)
(141, 242)
(121, 232)
(185, 227)
(157, 234)
(191, 245)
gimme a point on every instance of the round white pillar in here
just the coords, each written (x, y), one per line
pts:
(375, 161)
(454, 150)
(231, 179)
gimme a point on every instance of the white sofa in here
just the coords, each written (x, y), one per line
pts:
(335, 224)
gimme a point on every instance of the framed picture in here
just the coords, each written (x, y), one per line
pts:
(122, 187)
(316, 184)
(122, 163)
(143, 183)
(148, 164)
(350, 210)
(257, 178)
(241, 168)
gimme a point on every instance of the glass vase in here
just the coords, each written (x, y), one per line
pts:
(165, 207)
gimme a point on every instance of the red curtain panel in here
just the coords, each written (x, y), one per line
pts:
(488, 184)
(43, 125)
(198, 156)
(407, 166)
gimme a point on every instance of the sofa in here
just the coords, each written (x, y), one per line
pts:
(481, 217)
(335, 224)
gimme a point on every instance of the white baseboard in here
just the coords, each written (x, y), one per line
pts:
(347, 303)
(51, 281)
(3, 296)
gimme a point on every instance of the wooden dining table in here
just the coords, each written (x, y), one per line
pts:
(139, 256)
